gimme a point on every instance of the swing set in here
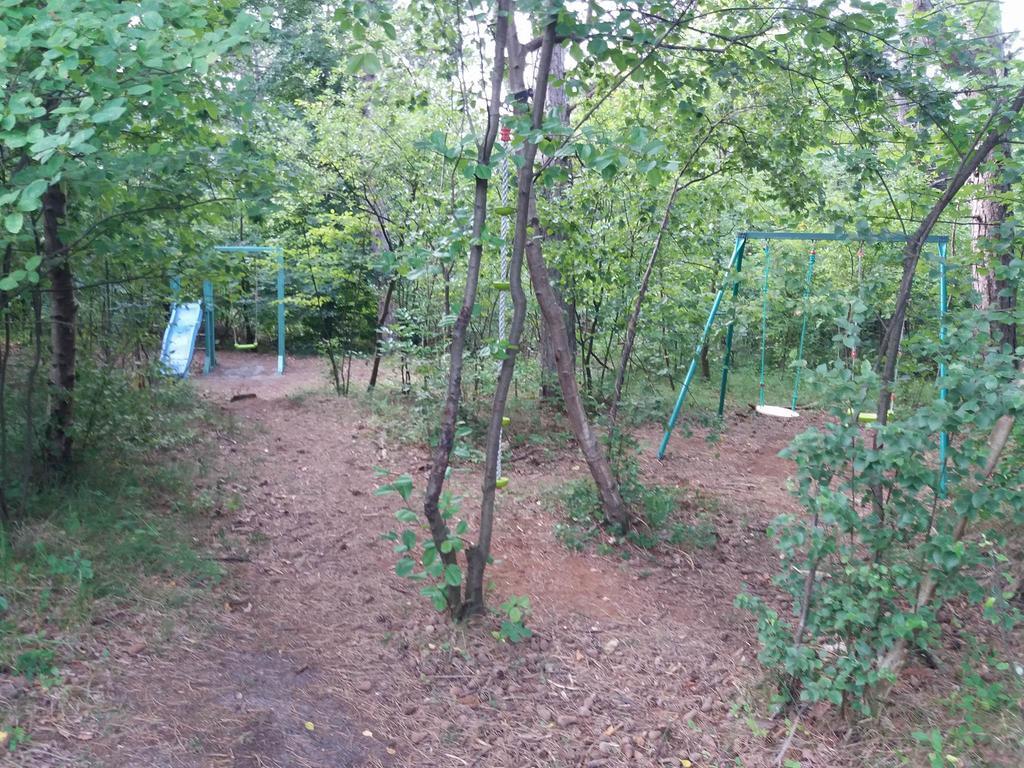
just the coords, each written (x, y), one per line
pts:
(735, 268)
(209, 308)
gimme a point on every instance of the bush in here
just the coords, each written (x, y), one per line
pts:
(886, 535)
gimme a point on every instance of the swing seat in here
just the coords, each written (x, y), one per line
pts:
(868, 417)
(245, 347)
(777, 411)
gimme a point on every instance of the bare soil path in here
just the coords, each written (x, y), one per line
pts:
(320, 657)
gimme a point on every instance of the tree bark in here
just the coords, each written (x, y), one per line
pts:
(59, 448)
(383, 318)
(615, 510)
(558, 107)
(442, 452)
(996, 296)
(5, 355)
(477, 556)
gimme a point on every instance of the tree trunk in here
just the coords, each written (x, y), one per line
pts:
(383, 318)
(58, 450)
(558, 107)
(634, 317)
(5, 355)
(442, 452)
(615, 510)
(996, 296)
(478, 555)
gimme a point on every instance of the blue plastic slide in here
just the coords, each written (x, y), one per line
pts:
(180, 337)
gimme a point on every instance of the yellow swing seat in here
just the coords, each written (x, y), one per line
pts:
(867, 417)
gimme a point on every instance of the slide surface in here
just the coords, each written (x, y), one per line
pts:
(180, 337)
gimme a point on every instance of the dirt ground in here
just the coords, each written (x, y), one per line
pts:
(318, 656)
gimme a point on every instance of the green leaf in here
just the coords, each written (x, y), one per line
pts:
(405, 567)
(110, 112)
(406, 515)
(452, 575)
(363, 62)
(13, 222)
(152, 20)
(402, 485)
(33, 264)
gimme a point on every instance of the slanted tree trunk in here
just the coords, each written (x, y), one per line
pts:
(439, 531)
(615, 510)
(477, 555)
(383, 237)
(385, 309)
(1002, 121)
(634, 317)
(58, 448)
(558, 107)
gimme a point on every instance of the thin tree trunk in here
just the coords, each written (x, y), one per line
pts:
(442, 452)
(29, 448)
(634, 317)
(378, 347)
(5, 355)
(58, 451)
(615, 510)
(478, 555)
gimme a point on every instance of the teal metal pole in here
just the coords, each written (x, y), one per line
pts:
(764, 321)
(735, 262)
(209, 319)
(728, 339)
(280, 310)
(803, 325)
(943, 392)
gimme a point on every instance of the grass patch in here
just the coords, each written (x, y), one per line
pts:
(113, 541)
(664, 518)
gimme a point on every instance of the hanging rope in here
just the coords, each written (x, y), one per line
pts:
(764, 320)
(503, 189)
(803, 325)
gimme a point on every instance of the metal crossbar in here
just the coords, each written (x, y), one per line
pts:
(881, 237)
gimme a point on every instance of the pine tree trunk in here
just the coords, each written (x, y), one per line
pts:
(58, 450)
(996, 295)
